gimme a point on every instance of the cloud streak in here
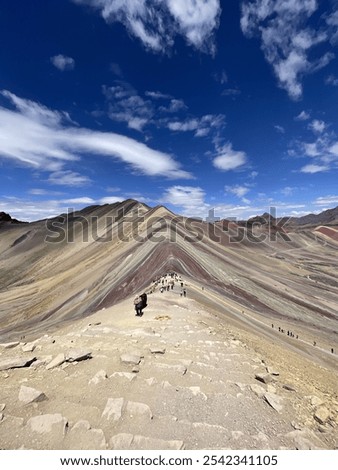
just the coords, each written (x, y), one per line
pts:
(48, 142)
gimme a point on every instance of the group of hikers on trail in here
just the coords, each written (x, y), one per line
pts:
(165, 282)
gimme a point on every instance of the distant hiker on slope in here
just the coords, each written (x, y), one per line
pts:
(138, 303)
(144, 299)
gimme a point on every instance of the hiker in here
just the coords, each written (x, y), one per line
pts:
(138, 306)
(144, 299)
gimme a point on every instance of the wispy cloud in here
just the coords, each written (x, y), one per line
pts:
(313, 168)
(279, 129)
(237, 190)
(229, 159)
(303, 116)
(233, 92)
(189, 199)
(63, 62)
(141, 112)
(200, 126)
(288, 42)
(48, 142)
(68, 178)
(331, 80)
(323, 151)
(126, 105)
(156, 23)
(326, 200)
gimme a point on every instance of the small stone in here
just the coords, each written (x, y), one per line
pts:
(130, 359)
(315, 401)
(147, 443)
(29, 347)
(296, 426)
(16, 362)
(30, 395)
(258, 390)
(138, 409)
(265, 378)
(126, 375)
(113, 409)
(121, 441)
(1, 417)
(2, 406)
(322, 415)
(43, 424)
(11, 345)
(305, 440)
(83, 437)
(274, 401)
(100, 376)
(57, 361)
(158, 350)
(272, 371)
(78, 355)
(289, 388)
(135, 370)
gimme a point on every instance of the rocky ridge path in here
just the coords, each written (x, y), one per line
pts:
(173, 379)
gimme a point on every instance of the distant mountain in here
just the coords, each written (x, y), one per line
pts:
(328, 217)
(7, 219)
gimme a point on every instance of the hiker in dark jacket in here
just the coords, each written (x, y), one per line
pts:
(138, 306)
(144, 300)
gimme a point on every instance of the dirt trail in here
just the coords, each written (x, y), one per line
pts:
(180, 376)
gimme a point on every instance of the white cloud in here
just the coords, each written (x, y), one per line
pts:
(313, 168)
(174, 106)
(287, 191)
(326, 200)
(68, 178)
(317, 126)
(197, 20)
(44, 192)
(125, 105)
(201, 126)
(229, 159)
(331, 80)
(46, 143)
(279, 129)
(63, 62)
(237, 190)
(287, 40)
(303, 116)
(190, 200)
(323, 151)
(79, 200)
(110, 200)
(156, 23)
(157, 95)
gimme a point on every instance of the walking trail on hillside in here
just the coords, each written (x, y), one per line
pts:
(176, 378)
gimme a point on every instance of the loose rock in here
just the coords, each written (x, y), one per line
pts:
(16, 362)
(274, 401)
(30, 395)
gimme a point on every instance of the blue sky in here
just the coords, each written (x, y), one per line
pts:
(202, 104)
